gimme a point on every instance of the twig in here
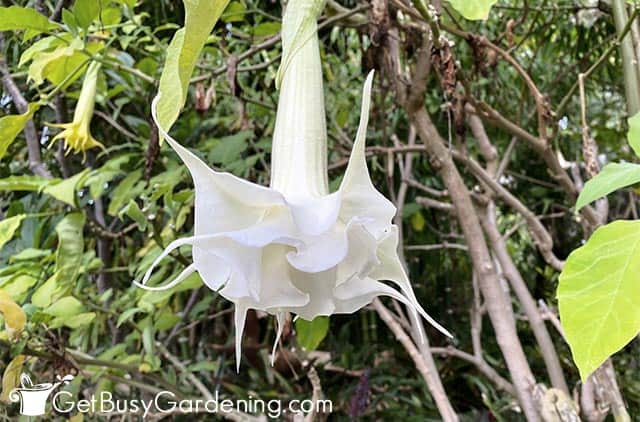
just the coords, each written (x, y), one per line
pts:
(426, 368)
(33, 142)
(482, 366)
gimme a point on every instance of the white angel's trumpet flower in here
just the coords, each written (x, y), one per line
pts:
(295, 247)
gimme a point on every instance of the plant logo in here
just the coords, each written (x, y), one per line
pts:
(33, 398)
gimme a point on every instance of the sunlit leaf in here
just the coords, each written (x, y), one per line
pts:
(65, 190)
(8, 228)
(11, 126)
(23, 183)
(599, 294)
(64, 63)
(473, 9)
(183, 51)
(70, 246)
(65, 307)
(75, 321)
(85, 11)
(132, 210)
(50, 291)
(11, 377)
(14, 316)
(633, 136)
(613, 176)
(234, 12)
(15, 18)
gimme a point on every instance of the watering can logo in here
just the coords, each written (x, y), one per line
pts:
(33, 398)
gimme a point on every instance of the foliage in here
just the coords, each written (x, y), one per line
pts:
(597, 290)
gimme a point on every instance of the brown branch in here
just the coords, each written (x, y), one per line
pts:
(31, 135)
(482, 366)
(519, 286)
(424, 364)
(540, 235)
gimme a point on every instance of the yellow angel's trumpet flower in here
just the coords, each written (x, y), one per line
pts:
(295, 247)
(77, 134)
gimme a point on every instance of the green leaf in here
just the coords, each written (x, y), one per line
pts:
(633, 136)
(613, 176)
(23, 183)
(42, 45)
(18, 285)
(8, 228)
(85, 11)
(165, 321)
(48, 292)
(473, 9)
(11, 126)
(189, 283)
(183, 51)
(127, 315)
(70, 246)
(266, 29)
(14, 316)
(234, 12)
(64, 63)
(70, 20)
(230, 147)
(418, 222)
(132, 210)
(75, 321)
(124, 192)
(65, 190)
(599, 294)
(11, 377)
(311, 333)
(67, 306)
(15, 18)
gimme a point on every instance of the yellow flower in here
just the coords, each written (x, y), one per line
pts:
(77, 134)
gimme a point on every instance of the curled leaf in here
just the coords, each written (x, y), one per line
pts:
(14, 317)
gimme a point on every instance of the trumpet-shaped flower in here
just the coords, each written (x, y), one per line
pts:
(77, 135)
(295, 247)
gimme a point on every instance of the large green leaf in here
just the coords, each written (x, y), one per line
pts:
(613, 176)
(23, 183)
(64, 63)
(11, 126)
(311, 333)
(67, 306)
(599, 294)
(85, 11)
(473, 9)
(8, 228)
(633, 136)
(70, 246)
(65, 190)
(183, 51)
(15, 18)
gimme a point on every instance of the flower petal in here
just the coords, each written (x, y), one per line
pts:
(280, 325)
(359, 197)
(391, 269)
(315, 215)
(239, 321)
(224, 202)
